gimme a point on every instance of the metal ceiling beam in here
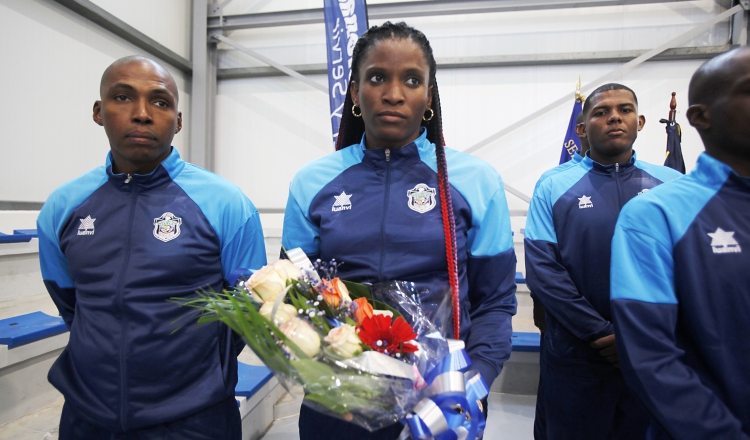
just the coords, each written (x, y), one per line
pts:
(552, 59)
(92, 12)
(410, 9)
(676, 41)
(278, 66)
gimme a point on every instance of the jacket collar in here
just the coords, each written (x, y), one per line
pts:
(590, 163)
(406, 155)
(713, 172)
(167, 170)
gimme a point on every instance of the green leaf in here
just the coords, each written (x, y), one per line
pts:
(357, 290)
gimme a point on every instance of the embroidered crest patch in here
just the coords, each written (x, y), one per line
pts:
(421, 198)
(167, 227)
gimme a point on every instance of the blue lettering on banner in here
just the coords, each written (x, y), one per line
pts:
(345, 20)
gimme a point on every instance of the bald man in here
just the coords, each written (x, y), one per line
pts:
(680, 282)
(115, 245)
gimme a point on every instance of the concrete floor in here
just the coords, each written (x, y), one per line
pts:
(511, 417)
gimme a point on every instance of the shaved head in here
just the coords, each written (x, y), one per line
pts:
(719, 97)
(715, 76)
(111, 73)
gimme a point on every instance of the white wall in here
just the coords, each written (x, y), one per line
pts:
(52, 62)
(268, 128)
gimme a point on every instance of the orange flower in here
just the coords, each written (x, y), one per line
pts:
(364, 310)
(334, 292)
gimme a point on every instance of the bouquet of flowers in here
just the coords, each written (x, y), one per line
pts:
(366, 354)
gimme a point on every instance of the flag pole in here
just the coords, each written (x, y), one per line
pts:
(673, 107)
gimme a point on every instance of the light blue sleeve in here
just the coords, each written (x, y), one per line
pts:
(232, 215)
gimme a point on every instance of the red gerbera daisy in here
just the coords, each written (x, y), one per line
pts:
(387, 336)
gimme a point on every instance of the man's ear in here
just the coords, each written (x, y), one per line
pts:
(179, 122)
(581, 130)
(641, 122)
(97, 116)
(699, 116)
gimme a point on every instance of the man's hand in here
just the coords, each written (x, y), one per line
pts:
(608, 349)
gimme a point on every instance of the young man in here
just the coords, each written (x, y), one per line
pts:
(680, 278)
(569, 228)
(115, 245)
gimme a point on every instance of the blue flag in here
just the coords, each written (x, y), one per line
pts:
(572, 143)
(674, 157)
(346, 21)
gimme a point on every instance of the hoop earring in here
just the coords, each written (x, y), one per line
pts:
(356, 115)
(432, 115)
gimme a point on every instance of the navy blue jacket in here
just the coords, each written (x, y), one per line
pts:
(114, 249)
(569, 229)
(378, 212)
(681, 302)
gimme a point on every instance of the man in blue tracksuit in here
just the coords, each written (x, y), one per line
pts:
(377, 212)
(115, 245)
(569, 227)
(680, 278)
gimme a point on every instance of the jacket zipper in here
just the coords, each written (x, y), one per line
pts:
(120, 302)
(619, 187)
(385, 211)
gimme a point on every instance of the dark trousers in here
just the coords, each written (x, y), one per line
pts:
(317, 426)
(582, 401)
(218, 422)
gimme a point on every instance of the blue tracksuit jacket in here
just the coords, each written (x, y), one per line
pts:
(114, 249)
(569, 228)
(681, 302)
(378, 212)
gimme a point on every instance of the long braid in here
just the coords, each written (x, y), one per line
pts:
(352, 128)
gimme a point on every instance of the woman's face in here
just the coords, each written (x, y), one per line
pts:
(393, 92)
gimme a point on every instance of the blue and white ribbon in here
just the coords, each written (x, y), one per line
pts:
(451, 409)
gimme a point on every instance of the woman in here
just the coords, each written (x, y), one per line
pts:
(382, 205)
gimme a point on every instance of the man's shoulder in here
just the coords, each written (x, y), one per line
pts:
(664, 174)
(75, 191)
(559, 180)
(209, 182)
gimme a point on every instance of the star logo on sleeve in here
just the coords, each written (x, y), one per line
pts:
(585, 202)
(723, 242)
(342, 202)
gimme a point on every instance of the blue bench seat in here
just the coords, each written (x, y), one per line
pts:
(24, 329)
(525, 341)
(520, 279)
(250, 379)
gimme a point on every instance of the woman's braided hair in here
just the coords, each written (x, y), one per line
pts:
(352, 129)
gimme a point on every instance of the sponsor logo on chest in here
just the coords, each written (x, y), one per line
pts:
(723, 242)
(421, 198)
(87, 226)
(167, 227)
(342, 203)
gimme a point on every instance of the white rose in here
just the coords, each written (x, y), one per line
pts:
(303, 335)
(266, 283)
(344, 341)
(287, 270)
(345, 298)
(284, 313)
